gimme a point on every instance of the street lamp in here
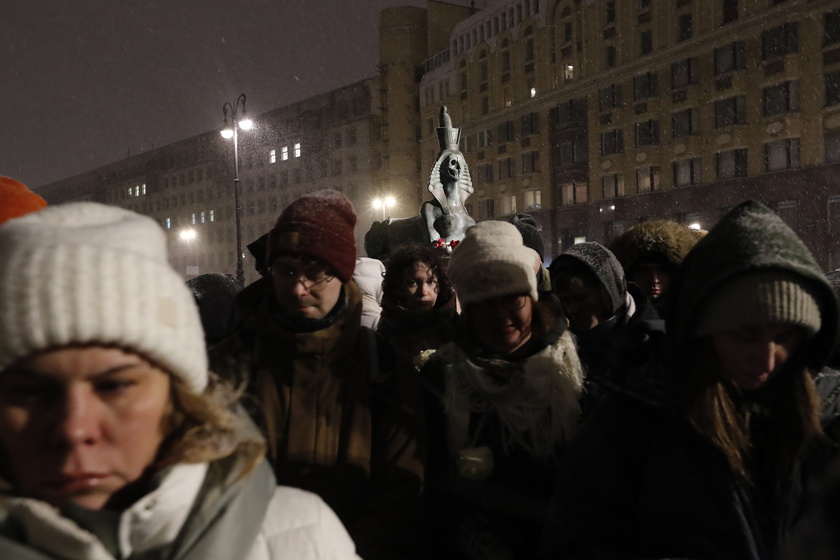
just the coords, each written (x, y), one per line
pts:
(384, 204)
(231, 130)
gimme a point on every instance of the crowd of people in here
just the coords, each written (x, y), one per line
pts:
(666, 396)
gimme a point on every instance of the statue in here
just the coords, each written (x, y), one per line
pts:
(443, 220)
(450, 183)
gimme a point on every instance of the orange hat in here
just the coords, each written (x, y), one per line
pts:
(16, 200)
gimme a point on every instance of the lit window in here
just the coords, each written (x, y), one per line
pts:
(533, 200)
(284, 153)
(143, 189)
(533, 92)
(569, 73)
(168, 223)
(581, 239)
(297, 149)
(137, 190)
(212, 215)
(272, 156)
(192, 219)
(202, 216)
(130, 192)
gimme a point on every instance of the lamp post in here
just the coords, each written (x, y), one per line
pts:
(384, 204)
(237, 120)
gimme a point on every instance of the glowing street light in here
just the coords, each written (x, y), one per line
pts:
(384, 204)
(238, 119)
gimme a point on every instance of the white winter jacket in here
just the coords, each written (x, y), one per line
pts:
(297, 524)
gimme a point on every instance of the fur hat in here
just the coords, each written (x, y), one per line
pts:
(760, 297)
(492, 261)
(90, 273)
(318, 225)
(16, 200)
(665, 241)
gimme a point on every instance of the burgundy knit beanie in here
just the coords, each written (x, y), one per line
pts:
(16, 200)
(319, 225)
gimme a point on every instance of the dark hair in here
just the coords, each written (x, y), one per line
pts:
(401, 264)
(717, 410)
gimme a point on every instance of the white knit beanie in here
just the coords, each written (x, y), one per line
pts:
(492, 261)
(90, 273)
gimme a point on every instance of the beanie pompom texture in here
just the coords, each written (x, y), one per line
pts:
(319, 225)
(492, 261)
(16, 200)
(87, 273)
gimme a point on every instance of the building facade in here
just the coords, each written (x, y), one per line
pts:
(591, 115)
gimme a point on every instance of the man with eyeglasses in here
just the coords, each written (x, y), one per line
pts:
(341, 412)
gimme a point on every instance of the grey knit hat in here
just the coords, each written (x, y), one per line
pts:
(760, 297)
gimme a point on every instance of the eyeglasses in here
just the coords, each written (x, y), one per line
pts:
(313, 279)
(512, 302)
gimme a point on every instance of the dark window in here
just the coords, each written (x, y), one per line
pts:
(530, 162)
(831, 27)
(646, 42)
(687, 172)
(486, 209)
(685, 28)
(567, 32)
(612, 142)
(781, 98)
(684, 123)
(612, 185)
(506, 133)
(648, 178)
(572, 111)
(610, 97)
(781, 154)
(506, 168)
(732, 163)
(730, 57)
(779, 41)
(832, 146)
(730, 11)
(832, 89)
(644, 4)
(647, 133)
(731, 111)
(529, 50)
(485, 173)
(645, 86)
(611, 56)
(684, 73)
(610, 12)
(530, 124)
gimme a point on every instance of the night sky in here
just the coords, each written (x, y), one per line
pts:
(83, 84)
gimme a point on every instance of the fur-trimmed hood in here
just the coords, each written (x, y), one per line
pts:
(663, 239)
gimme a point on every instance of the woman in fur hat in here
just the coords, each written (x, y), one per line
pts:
(504, 399)
(115, 441)
(712, 459)
(418, 303)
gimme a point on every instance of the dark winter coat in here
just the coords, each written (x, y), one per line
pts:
(342, 416)
(497, 517)
(619, 341)
(639, 481)
(415, 333)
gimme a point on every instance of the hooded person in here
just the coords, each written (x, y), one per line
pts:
(503, 402)
(215, 294)
(16, 200)
(714, 458)
(603, 310)
(532, 239)
(115, 440)
(342, 414)
(651, 252)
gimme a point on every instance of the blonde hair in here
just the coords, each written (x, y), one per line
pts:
(209, 426)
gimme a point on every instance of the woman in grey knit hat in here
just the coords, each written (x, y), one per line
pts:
(713, 458)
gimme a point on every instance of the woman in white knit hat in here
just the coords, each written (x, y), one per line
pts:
(713, 457)
(504, 399)
(115, 441)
